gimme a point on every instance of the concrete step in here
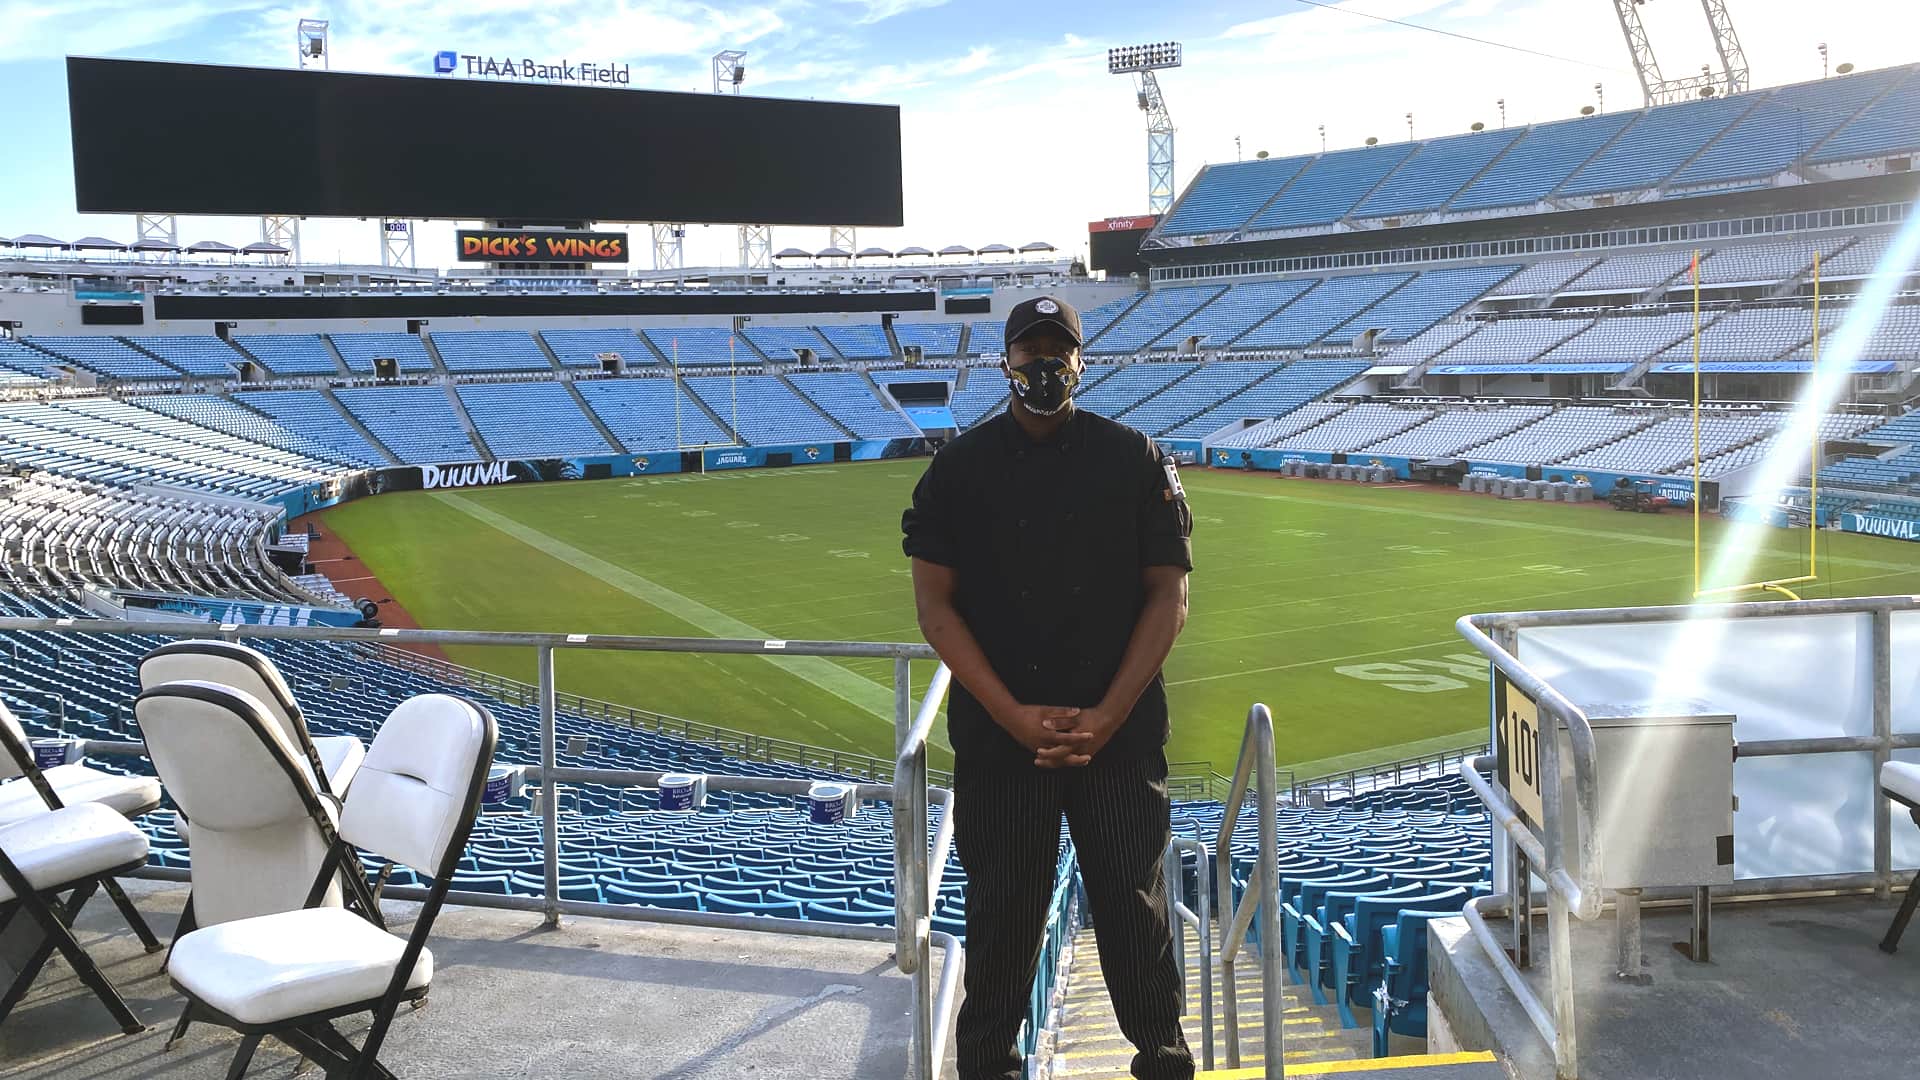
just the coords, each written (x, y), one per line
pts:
(1090, 1044)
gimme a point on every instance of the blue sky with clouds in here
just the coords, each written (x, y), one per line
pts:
(1013, 131)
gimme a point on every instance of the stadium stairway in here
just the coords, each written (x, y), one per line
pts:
(1089, 1045)
(353, 422)
(553, 358)
(466, 421)
(885, 399)
(593, 418)
(433, 354)
(815, 406)
(718, 420)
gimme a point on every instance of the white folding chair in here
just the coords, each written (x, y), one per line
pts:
(290, 975)
(259, 828)
(71, 850)
(1900, 781)
(28, 792)
(332, 759)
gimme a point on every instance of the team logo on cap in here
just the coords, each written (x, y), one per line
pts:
(1047, 307)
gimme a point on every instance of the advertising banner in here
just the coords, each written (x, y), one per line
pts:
(1871, 524)
(520, 245)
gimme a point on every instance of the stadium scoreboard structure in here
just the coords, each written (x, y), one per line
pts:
(168, 138)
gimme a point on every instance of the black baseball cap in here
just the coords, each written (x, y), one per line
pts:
(1043, 311)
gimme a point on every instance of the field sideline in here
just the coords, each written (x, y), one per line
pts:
(1334, 603)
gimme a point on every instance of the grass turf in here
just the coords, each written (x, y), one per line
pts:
(1334, 603)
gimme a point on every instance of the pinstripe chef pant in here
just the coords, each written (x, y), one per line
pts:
(1007, 829)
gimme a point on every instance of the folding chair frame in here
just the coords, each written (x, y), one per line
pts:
(1891, 942)
(30, 773)
(270, 678)
(353, 876)
(56, 922)
(313, 1035)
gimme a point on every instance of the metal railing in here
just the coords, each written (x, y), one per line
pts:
(917, 872)
(1253, 769)
(746, 745)
(1571, 878)
(1056, 954)
(1390, 773)
(1173, 872)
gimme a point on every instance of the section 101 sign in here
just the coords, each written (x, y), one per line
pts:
(513, 245)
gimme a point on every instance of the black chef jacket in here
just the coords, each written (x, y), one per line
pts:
(1047, 541)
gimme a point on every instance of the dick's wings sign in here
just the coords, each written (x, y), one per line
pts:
(504, 245)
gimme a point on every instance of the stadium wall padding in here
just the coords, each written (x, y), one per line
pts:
(1676, 489)
(1891, 526)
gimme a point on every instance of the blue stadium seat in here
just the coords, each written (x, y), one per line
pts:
(937, 340)
(583, 348)
(1435, 172)
(1328, 189)
(1358, 961)
(359, 351)
(195, 354)
(664, 898)
(1400, 999)
(1540, 161)
(530, 420)
(776, 909)
(1223, 197)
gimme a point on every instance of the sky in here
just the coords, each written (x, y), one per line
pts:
(1012, 129)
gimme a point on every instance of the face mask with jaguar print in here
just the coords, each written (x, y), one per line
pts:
(1044, 385)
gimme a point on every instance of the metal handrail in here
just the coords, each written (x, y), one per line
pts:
(1201, 921)
(1577, 895)
(916, 872)
(1255, 765)
(931, 1010)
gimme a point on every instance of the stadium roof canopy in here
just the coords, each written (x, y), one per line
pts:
(97, 243)
(153, 243)
(875, 253)
(210, 247)
(832, 253)
(36, 240)
(996, 249)
(792, 253)
(906, 251)
(1037, 245)
(261, 247)
(957, 249)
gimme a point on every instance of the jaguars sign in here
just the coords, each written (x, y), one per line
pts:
(527, 246)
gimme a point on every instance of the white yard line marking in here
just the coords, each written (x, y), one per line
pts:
(868, 697)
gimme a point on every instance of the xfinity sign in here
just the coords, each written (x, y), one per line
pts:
(447, 62)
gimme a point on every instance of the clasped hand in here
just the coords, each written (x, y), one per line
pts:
(1061, 737)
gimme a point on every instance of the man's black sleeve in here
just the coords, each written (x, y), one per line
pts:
(928, 523)
(1166, 523)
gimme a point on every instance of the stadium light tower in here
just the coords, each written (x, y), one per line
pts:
(756, 241)
(1732, 78)
(1141, 61)
(313, 51)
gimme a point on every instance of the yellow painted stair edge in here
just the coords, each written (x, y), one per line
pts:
(1325, 1068)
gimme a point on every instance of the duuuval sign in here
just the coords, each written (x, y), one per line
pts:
(1878, 525)
(451, 476)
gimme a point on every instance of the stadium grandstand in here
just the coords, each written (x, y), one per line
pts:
(1713, 304)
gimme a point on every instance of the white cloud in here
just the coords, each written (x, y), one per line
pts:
(100, 27)
(977, 58)
(874, 11)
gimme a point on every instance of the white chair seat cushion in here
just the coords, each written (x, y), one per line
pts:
(340, 756)
(1901, 778)
(58, 847)
(76, 784)
(274, 967)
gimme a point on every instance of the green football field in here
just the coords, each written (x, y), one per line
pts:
(1333, 603)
